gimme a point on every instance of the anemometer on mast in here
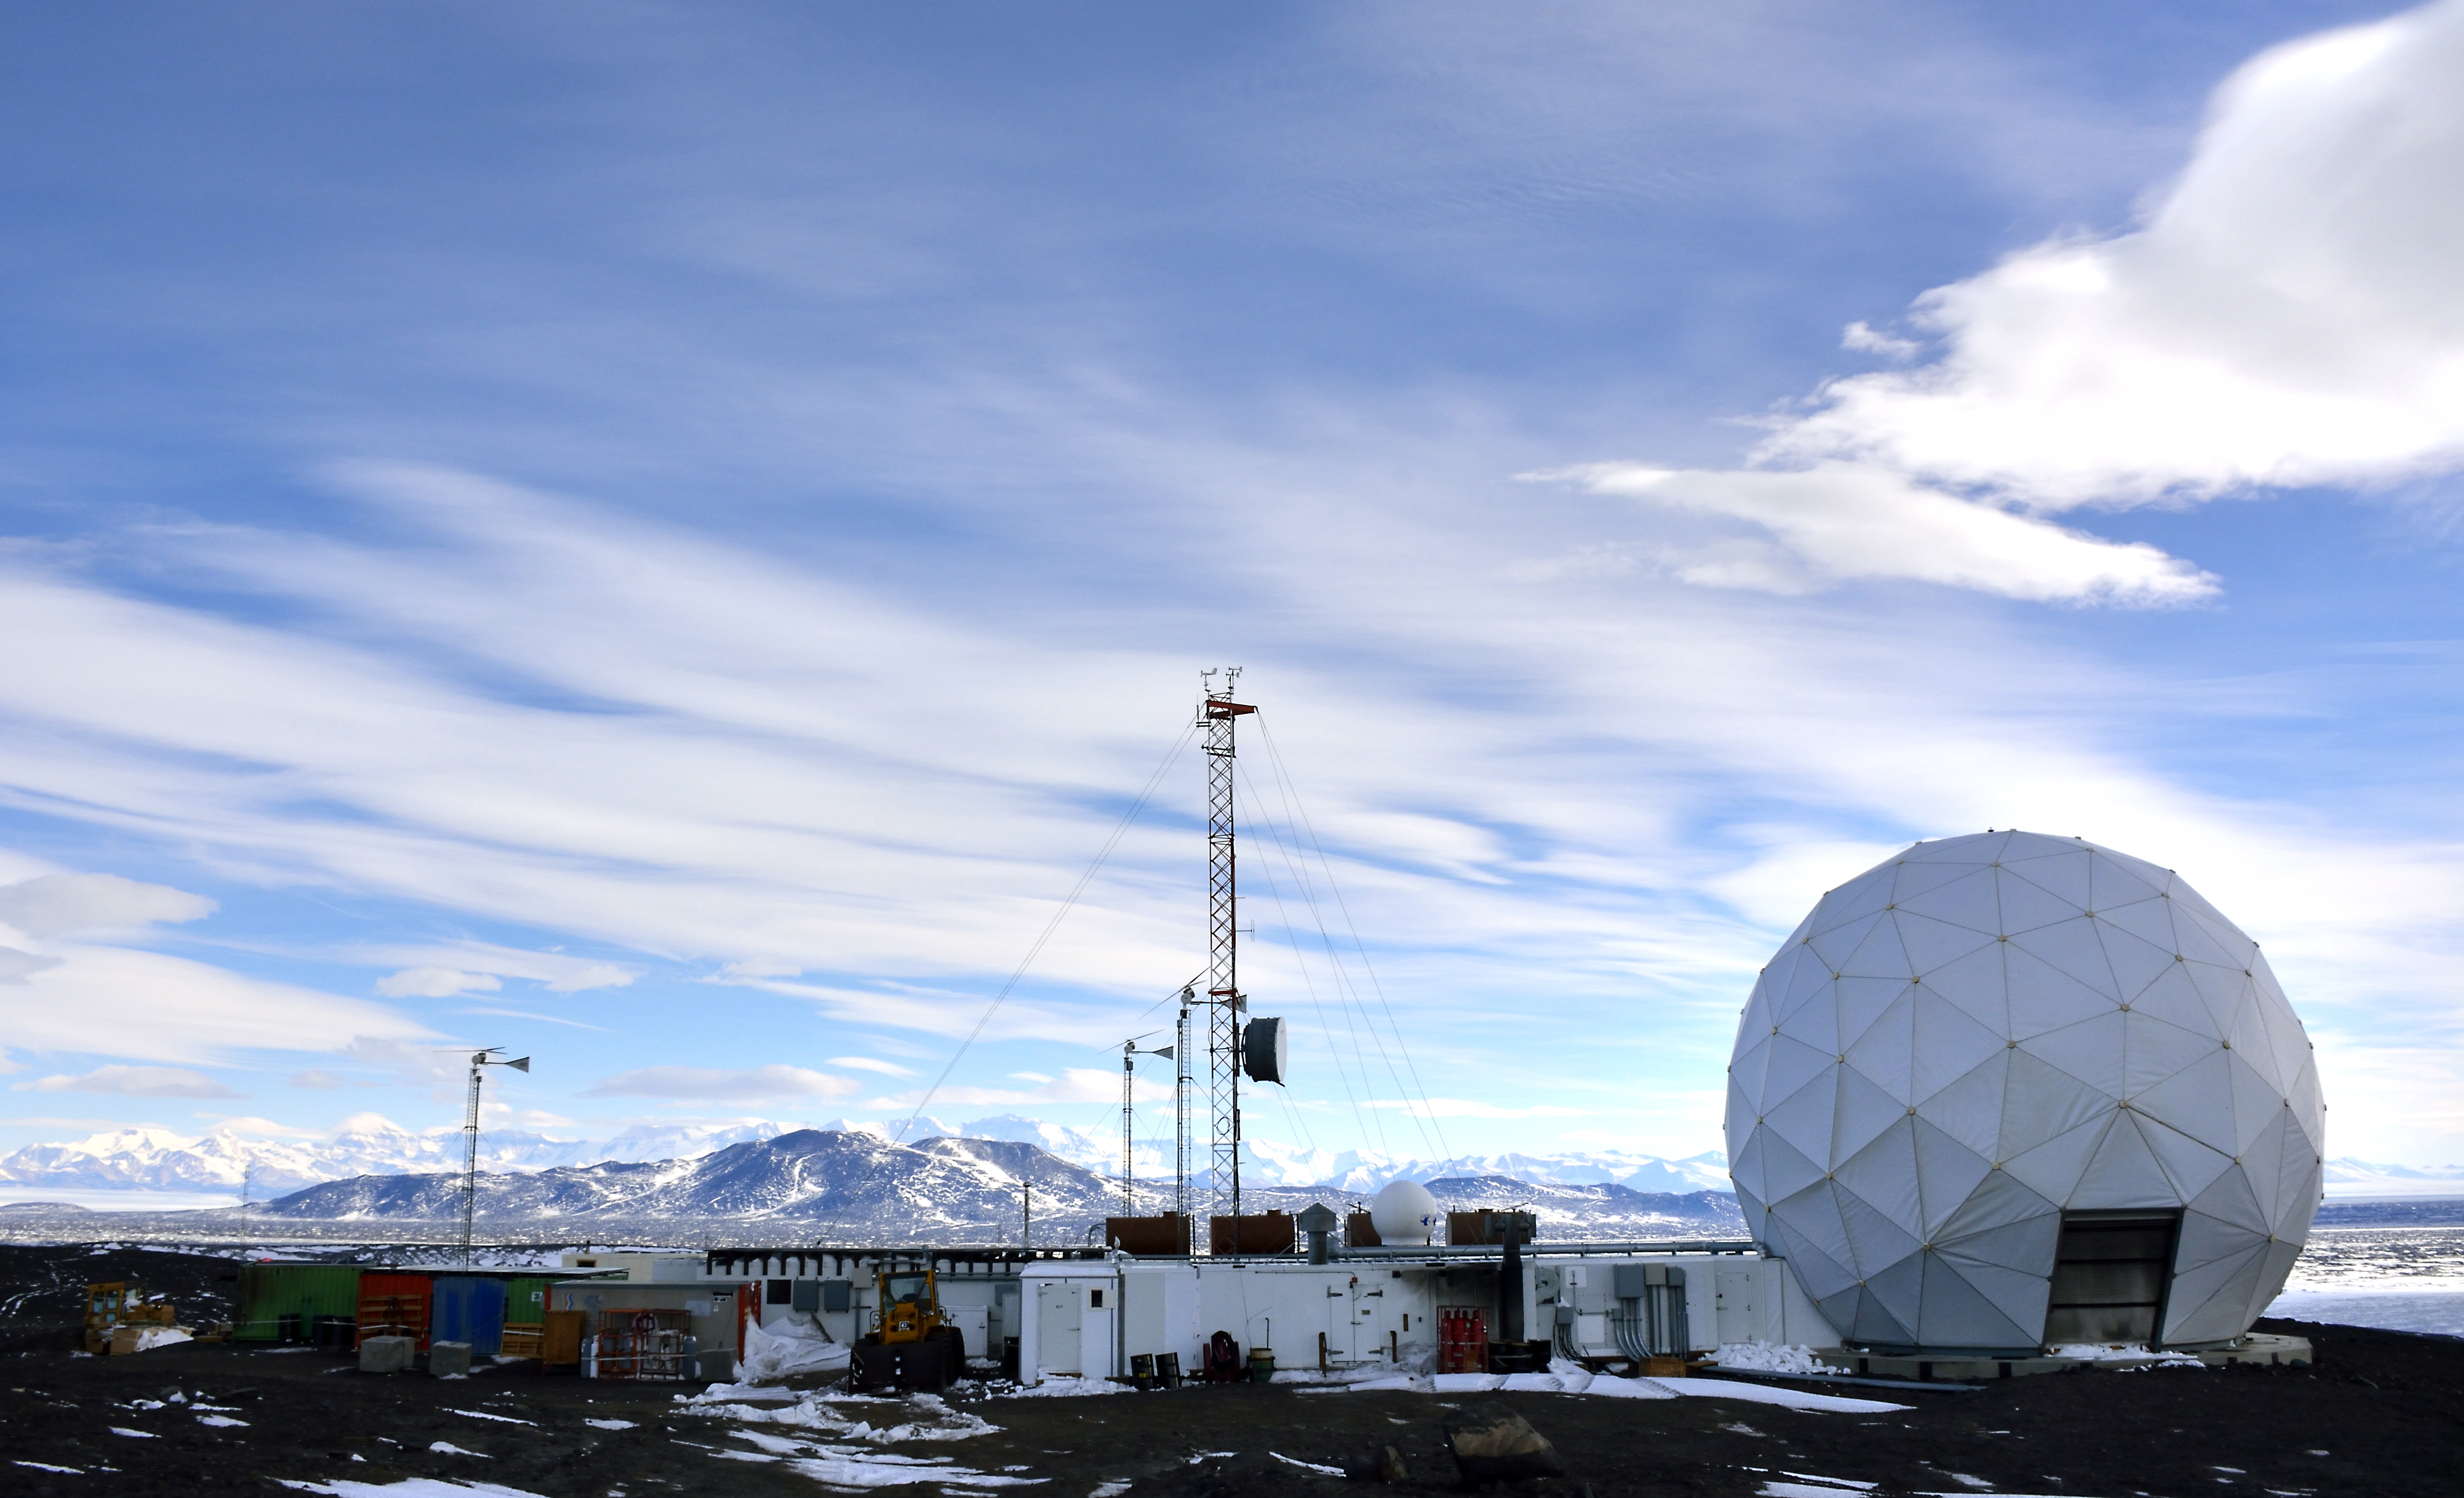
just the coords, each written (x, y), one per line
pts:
(484, 1056)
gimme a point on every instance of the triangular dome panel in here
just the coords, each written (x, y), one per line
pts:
(2135, 963)
(2211, 1302)
(1946, 1043)
(1865, 1110)
(2156, 1052)
(2042, 998)
(1814, 1223)
(2072, 949)
(2229, 1208)
(1793, 1065)
(2002, 1200)
(1952, 1312)
(2091, 1051)
(2027, 905)
(2188, 1164)
(1933, 944)
(1832, 944)
(1967, 902)
(2195, 1100)
(1886, 1055)
(1874, 1239)
(1969, 1110)
(2042, 1103)
(1803, 1117)
(2062, 873)
(1947, 1172)
(2112, 881)
(1978, 985)
(2151, 922)
(2019, 1296)
(2124, 1174)
(1884, 1175)
(2053, 1169)
(1784, 1169)
(2175, 1000)
(1861, 1001)
(1897, 1292)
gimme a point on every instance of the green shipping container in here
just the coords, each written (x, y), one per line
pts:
(526, 1301)
(270, 1291)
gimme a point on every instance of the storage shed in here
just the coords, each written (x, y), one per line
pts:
(284, 1302)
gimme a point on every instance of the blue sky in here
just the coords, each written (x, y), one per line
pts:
(666, 537)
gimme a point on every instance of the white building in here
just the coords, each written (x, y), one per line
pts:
(1089, 1312)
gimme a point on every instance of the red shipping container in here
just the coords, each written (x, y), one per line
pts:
(396, 1305)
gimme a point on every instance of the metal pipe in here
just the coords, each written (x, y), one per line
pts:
(1433, 1252)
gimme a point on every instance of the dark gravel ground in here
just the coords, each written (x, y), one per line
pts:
(2379, 1412)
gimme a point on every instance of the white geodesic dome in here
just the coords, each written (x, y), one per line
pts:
(1984, 1039)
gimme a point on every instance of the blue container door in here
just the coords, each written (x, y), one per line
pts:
(469, 1310)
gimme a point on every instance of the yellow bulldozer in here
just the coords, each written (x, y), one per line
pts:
(912, 1345)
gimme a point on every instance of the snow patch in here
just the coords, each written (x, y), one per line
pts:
(1063, 1386)
(1769, 1358)
(409, 1488)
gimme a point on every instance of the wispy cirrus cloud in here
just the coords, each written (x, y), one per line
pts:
(715, 1084)
(136, 1082)
(1837, 522)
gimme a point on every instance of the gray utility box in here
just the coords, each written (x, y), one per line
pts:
(386, 1354)
(449, 1359)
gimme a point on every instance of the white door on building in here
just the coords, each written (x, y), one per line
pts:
(974, 1326)
(1057, 1322)
(1739, 1316)
(1095, 1333)
(1374, 1314)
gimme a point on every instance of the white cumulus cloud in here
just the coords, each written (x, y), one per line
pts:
(2289, 312)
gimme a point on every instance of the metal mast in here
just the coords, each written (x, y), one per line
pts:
(482, 1057)
(1217, 714)
(1129, 1117)
(1180, 1106)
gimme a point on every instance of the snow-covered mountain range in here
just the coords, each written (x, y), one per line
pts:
(856, 1186)
(154, 1159)
(2350, 1180)
(160, 1160)
(223, 1160)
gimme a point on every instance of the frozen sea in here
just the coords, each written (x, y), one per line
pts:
(2400, 1276)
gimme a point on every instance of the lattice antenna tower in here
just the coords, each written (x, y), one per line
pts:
(1217, 714)
(484, 1057)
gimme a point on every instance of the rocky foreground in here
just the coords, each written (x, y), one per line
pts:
(2377, 1414)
